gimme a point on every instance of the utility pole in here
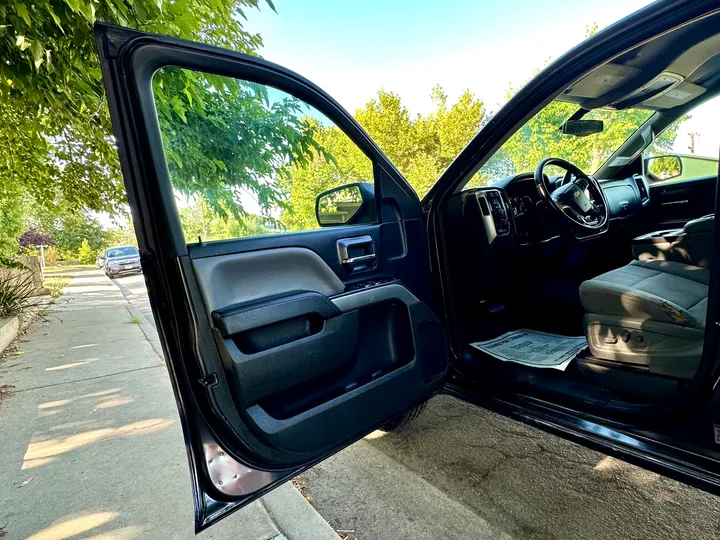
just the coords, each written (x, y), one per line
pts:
(692, 141)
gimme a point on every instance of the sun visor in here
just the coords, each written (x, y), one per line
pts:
(679, 95)
(601, 81)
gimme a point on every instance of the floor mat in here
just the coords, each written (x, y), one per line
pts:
(535, 349)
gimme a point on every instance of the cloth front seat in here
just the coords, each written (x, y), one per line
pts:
(648, 314)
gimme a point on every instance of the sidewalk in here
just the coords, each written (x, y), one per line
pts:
(90, 439)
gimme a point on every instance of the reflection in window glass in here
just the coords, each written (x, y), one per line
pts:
(339, 207)
(246, 159)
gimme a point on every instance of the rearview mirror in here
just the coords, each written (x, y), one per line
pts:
(582, 128)
(344, 205)
(660, 168)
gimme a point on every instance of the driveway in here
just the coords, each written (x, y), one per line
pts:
(460, 471)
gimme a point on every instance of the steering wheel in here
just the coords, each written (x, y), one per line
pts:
(579, 199)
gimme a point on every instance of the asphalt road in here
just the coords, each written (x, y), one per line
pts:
(462, 472)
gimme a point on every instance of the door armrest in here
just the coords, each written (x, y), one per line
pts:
(242, 317)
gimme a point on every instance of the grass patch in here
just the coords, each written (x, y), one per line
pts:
(56, 284)
(69, 268)
(134, 320)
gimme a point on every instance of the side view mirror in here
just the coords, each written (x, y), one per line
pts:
(346, 205)
(661, 168)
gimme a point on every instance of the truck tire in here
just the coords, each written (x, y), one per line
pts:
(404, 419)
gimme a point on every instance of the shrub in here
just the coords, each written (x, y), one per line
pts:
(52, 256)
(86, 254)
(16, 289)
(7, 262)
(34, 237)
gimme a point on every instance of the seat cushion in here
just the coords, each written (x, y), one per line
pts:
(661, 291)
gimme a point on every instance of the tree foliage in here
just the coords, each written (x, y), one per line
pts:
(231, 140)
(34, 237)
(52, 256)
(540, 138)
(67, 228)
(199, 220)
(86, 254)
(121, 235)
(55, 130)
(11, 219)
(421, 147)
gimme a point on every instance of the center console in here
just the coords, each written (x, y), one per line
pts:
(495, 213)
(690, 245)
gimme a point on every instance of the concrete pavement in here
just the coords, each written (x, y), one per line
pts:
(463, 472)
(460, 469)
(90, 440)
(134, 291)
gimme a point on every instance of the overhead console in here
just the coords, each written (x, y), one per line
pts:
(669, 71)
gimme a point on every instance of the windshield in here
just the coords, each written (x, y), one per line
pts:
(127, 251)
(540, 138)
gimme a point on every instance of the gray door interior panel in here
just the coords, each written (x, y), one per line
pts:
(300, 355)
(233, 279)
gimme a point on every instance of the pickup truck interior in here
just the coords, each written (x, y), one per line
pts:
(620, 254)
(560, 270)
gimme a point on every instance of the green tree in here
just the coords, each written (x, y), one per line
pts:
(86, 254)
(12, 220)
(121, 235)
(55, 130)
(68, 228)
(234, 140)
(421, 147)
(199, 220)
(347, 165)
(540, 138)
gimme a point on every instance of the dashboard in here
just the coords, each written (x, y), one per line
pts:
(512, 208)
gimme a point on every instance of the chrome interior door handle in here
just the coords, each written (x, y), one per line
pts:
(668, 203)
(357, 261)
(357, 253)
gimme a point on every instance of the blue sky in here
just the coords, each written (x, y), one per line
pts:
(353, 48)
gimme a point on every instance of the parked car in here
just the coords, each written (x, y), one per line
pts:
(286, 348)
(121, 260)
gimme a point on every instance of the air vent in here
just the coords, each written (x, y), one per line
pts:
(484, 206)
(642, 188)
